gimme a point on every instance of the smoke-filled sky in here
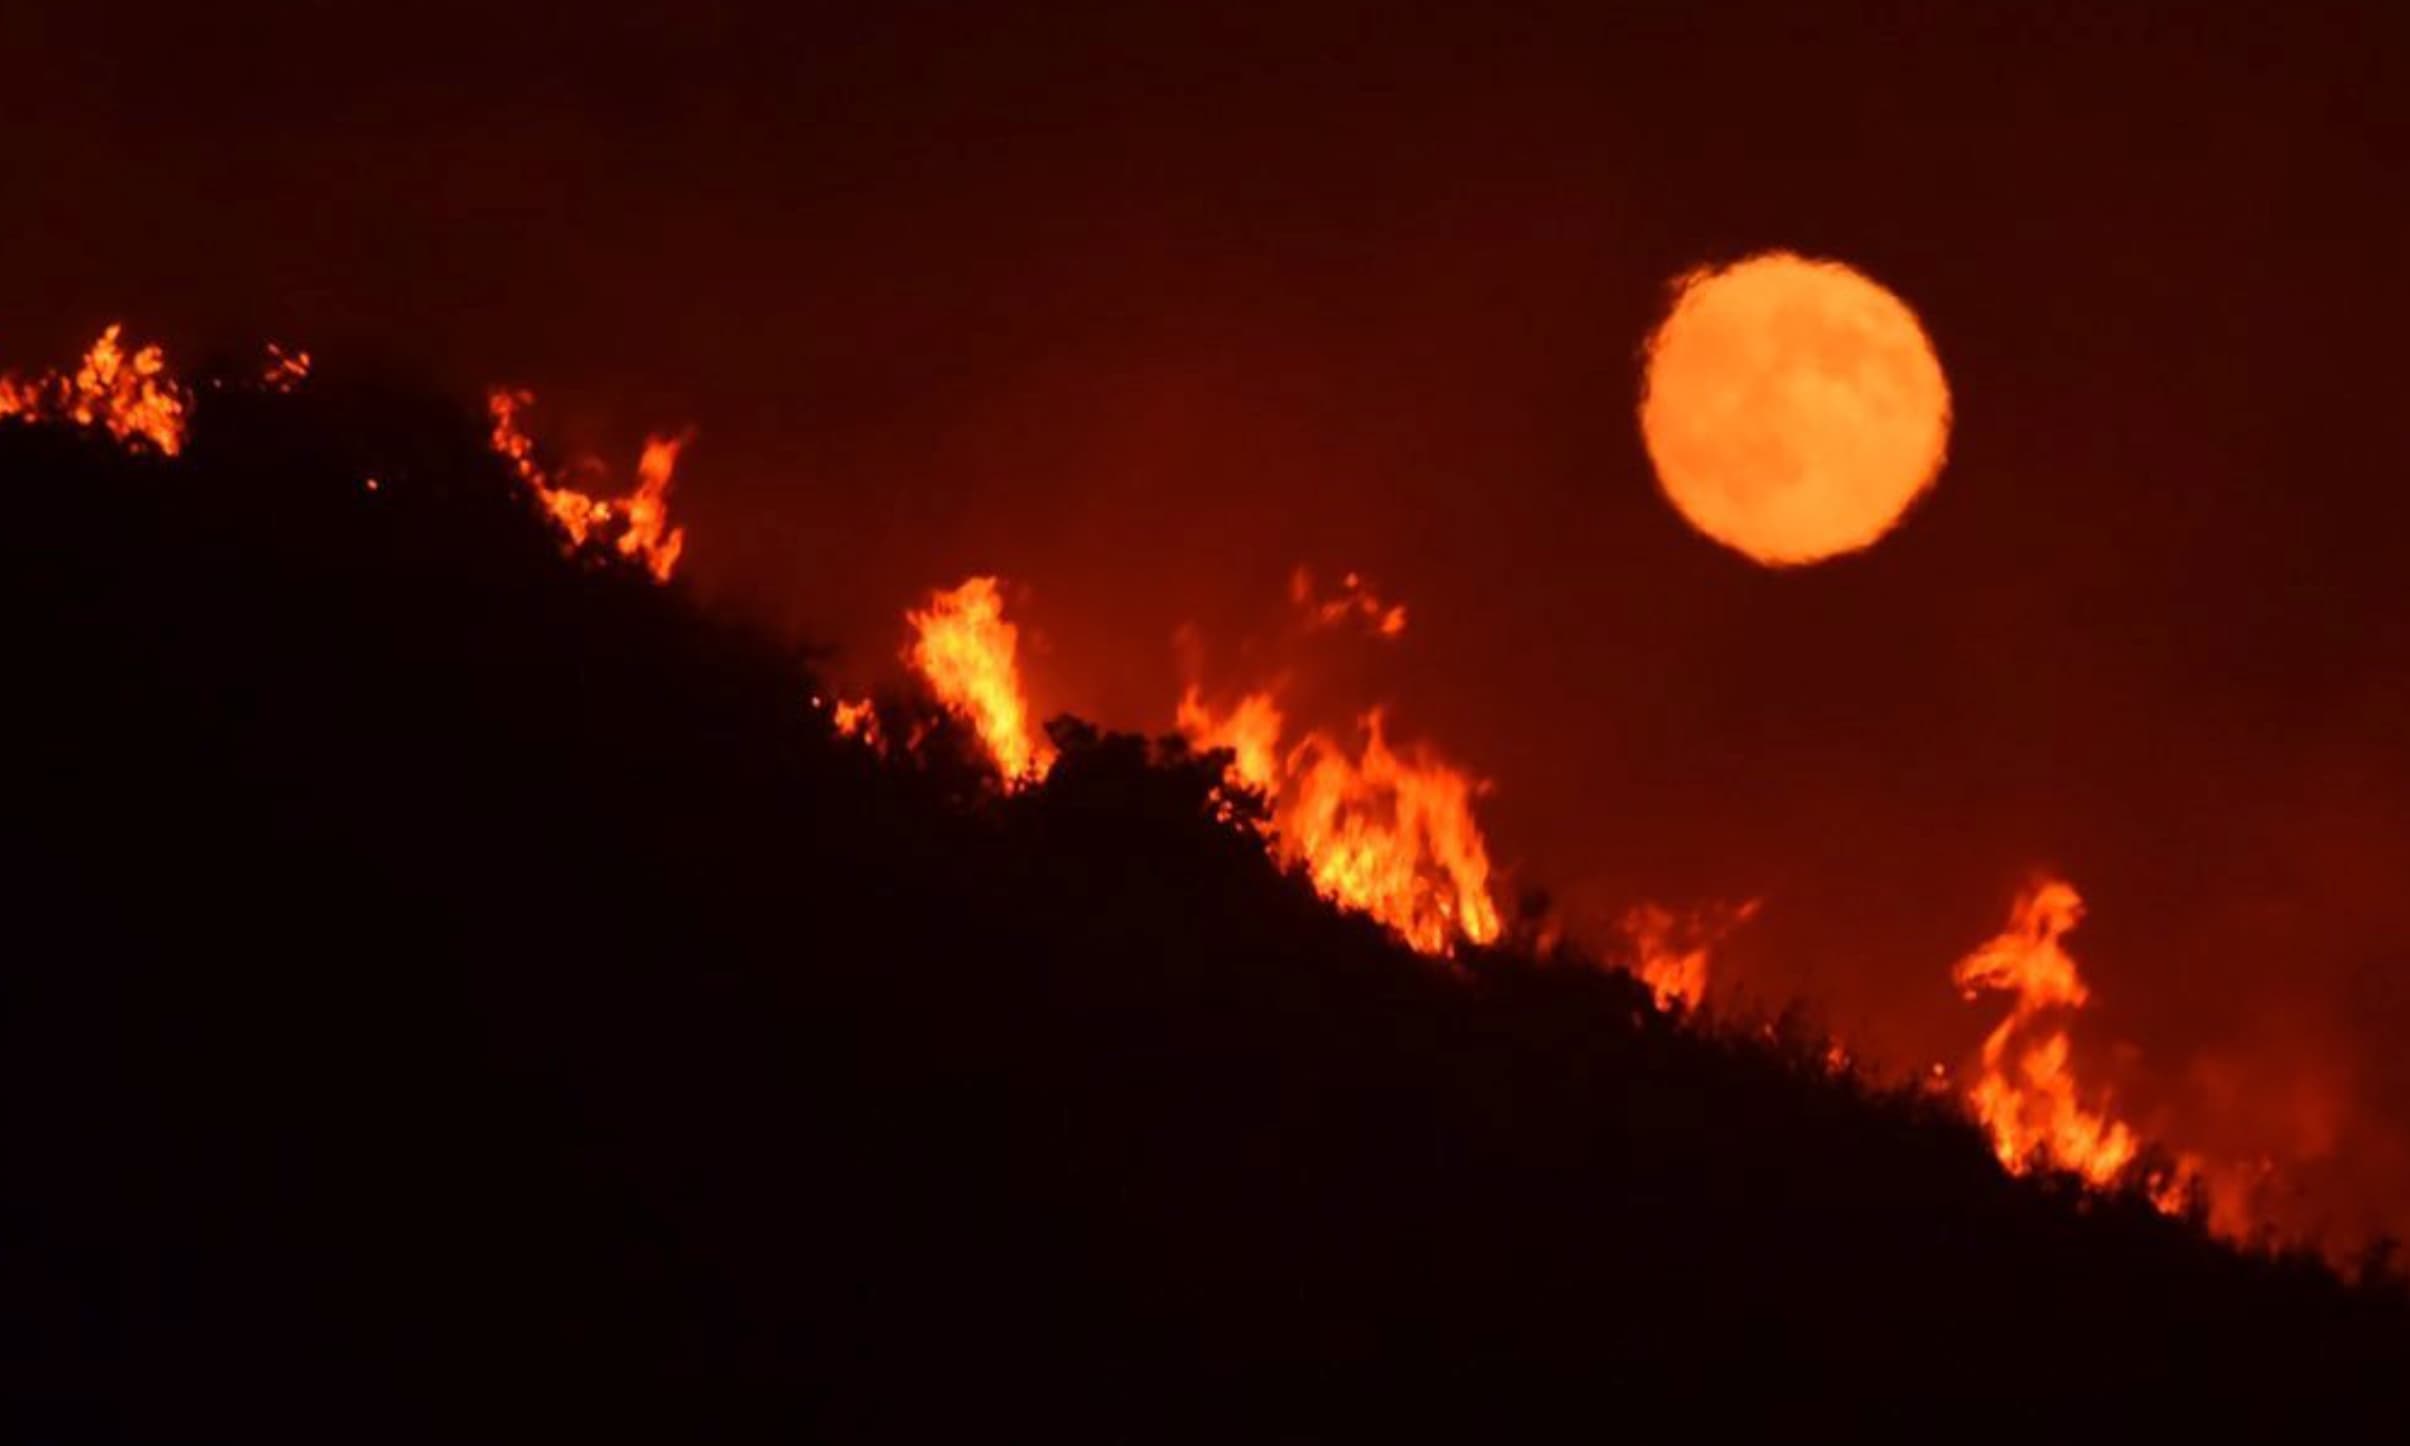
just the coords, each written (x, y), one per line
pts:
(1139, 311)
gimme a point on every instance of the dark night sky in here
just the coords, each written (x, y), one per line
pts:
(1141, 311)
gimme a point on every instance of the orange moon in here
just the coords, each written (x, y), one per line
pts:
(1793, 408)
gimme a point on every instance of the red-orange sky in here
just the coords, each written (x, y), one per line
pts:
(1141, 311)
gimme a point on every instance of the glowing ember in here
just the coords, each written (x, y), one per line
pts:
(858, 720)
(965, 649)
(2026, 1095)
(1389, 835)
(1670, 950)
(636, 525)
(509, 438)
(285, 370)
(131, 397)
(1355, 601)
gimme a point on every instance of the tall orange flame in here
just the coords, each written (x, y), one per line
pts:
(965, 649)
(1386, 834)
(131, 397)
(1670, 950)
(1393, 836)
(637, 524)
(2026, 1095)
(648, 533)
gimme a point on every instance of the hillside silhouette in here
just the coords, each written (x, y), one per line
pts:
(459, 991)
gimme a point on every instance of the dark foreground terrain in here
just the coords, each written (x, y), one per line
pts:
(455, 992)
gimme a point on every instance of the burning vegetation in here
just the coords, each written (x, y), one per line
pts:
(1380, 829)
(968, 654)
(130, 396)
(635, 525)
(1670, 950)
(1037, 1057)
(1391, 833)
(135, 399)
(2026, 1095)
(1381, 832)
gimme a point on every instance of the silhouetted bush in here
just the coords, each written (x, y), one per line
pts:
(459, 992)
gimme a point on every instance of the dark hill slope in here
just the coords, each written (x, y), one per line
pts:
(457, 993)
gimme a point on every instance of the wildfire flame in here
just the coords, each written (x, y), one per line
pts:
(131, 397)
(855, 718)
(637, 525)
(648, 533)
(1251, 732)
(965, 649)
(1393, 836)
(1670, 950)
(1386, 834)
(2026, 1095)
